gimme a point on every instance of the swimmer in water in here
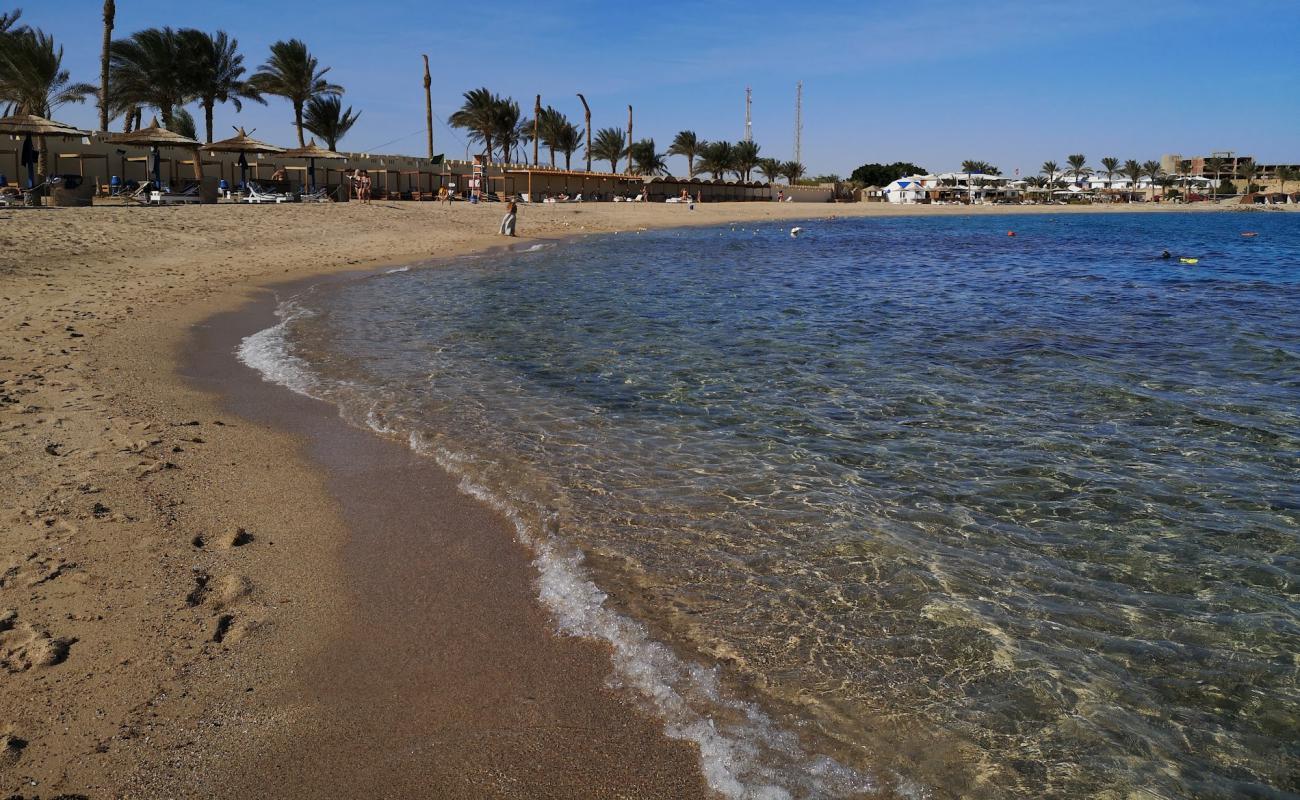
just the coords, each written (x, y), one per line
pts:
(1166, 254)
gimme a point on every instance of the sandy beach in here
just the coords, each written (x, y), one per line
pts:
(209, 585)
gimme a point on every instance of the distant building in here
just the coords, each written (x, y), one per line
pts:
(1199, 166)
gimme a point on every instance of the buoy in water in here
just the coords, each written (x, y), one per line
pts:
(794, 232)
(1011, 233)
(1188, 260)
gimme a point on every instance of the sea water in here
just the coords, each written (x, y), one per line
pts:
(899, 507)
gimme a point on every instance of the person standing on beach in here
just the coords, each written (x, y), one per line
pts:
(363, 187)
(508, 221)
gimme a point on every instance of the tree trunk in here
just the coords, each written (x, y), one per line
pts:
(690, 165)
(537, 121)
(207, 116)
(587, 110)
(428, 106)
(629, 138)
(552, 157)
(568, 156)
(110, 11)
(297, 121)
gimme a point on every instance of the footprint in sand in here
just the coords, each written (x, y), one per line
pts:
(23, 647)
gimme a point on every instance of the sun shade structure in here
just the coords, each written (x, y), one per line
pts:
(154, 137)
(312, 152)
(243, 144)
(29, 125)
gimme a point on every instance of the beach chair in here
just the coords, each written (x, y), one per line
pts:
(190, 194)
(321, 195)
(256, 196)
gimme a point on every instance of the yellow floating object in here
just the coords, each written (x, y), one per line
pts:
(1188, 260)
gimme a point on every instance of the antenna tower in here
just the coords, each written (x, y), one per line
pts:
(749, 121)
(798, 122)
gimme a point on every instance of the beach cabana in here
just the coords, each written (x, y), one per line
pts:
(312, 152)
(29, 125)
(243, 144)
(156, 137)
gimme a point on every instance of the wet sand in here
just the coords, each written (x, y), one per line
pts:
(443, 672)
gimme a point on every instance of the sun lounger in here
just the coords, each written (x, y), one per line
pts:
(321, 195)
(256, 196)
(188, 195)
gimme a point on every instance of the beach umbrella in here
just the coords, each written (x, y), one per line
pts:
(312, 152)
(156, 137)
(243, 144)
(29, 125)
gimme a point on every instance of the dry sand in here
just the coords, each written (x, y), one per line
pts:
(203, 584)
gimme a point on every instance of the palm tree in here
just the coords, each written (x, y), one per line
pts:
(551, 126)
(147, 69)
(32, 77)
(686, 144)
(1184, 169)
(110, 13)
(1110, 165)
(793, 171)
(293, 73)
(325, 117)
(1152, 170)
(1247, 170)
(609, 145)
(477, 115)
(1215, 164)
(770, 167)
(1285, 175)
(1079, 166)
(570, 139)
(745, 158)
(511, 129)
(1050, 169)
(216, 70)
(645, 161)
(1133, 171)
(183, 123)
(9, 22)
(717, 158)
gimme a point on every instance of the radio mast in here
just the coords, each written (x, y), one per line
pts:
(798, 123)
(749, 121)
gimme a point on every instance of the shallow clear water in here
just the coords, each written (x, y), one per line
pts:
(968, 514)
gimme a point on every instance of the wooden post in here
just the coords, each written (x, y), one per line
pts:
(587, 109)
(428, 104)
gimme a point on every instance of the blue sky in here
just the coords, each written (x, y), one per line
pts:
(1012, 82)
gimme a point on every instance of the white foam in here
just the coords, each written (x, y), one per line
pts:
(397, 269)
(746, 758)
(267, 351)
(744, 755)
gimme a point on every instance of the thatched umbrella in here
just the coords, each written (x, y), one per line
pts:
(29, 125)
(312, 152)
(243, 144)
(155, 136)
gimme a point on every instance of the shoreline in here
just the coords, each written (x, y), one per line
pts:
(441, 610)
(122, 556)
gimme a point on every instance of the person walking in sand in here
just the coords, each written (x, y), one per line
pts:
(508, 221)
